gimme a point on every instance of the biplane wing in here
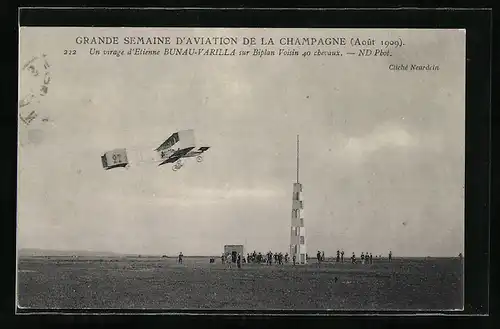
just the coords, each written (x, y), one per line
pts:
(204, 148)
(177, 155)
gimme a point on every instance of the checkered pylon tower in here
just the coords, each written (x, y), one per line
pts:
(298, 232)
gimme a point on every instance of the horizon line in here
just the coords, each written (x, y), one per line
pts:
(95, 253)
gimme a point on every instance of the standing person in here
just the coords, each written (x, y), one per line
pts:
(322, 256)
(353, 258)
(390, 256)
(338, 256)
(293, 258)
(371, 258)
(342, 256)
(238, 261)
(223, 258)
(180, 258)
(318, 257)
(286, 258)
(362, 258)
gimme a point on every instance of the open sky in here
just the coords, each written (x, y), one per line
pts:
(382, 152)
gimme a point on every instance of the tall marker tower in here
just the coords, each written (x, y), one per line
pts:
(298, 232)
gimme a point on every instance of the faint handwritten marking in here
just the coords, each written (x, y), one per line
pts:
(35, 83)
(30, 117)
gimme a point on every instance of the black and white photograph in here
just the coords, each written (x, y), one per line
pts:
(240, 169)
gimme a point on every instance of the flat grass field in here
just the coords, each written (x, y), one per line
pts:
(161, 283)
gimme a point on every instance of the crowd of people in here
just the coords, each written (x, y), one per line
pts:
(279, 258)
(365, 258)
(258, 258)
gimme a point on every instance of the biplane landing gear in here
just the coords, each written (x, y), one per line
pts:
(178, 165)
(199, 158)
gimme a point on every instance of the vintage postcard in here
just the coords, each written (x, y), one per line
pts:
(241, 169)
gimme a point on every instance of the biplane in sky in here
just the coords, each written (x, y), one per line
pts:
(179, 146)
